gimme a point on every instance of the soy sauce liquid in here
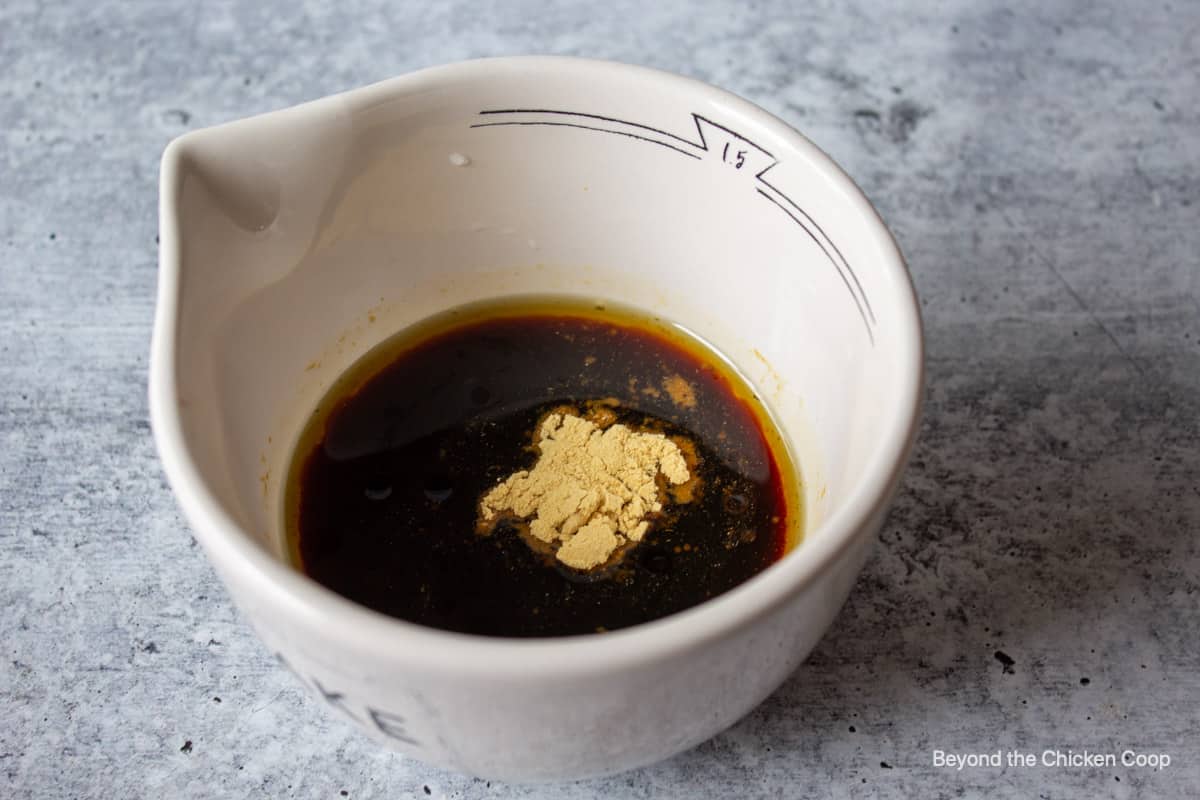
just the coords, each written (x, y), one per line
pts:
(384, 491)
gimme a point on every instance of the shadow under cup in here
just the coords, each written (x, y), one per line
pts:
(294, 242)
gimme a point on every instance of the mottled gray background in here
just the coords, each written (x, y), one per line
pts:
(1040, 165)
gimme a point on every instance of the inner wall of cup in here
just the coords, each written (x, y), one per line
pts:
(423, 219)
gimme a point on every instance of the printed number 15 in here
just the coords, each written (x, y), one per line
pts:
(739, 157)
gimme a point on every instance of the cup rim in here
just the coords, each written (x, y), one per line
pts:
(358, 627)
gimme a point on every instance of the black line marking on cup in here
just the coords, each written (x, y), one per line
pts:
(704, 144)
(857, 303)
(805, 220)
(589, 128)
(843, 267)
(668, 134)
(846, 264)
(696, 120)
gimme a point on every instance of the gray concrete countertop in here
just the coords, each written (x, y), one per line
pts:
(1037, 585)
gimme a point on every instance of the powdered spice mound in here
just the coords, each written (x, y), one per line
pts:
(591, 490)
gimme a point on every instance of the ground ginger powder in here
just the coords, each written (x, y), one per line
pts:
(591, 490)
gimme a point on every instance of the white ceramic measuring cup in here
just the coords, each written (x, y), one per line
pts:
(294, 241)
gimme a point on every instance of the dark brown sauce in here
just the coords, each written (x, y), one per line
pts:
(384, 491)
